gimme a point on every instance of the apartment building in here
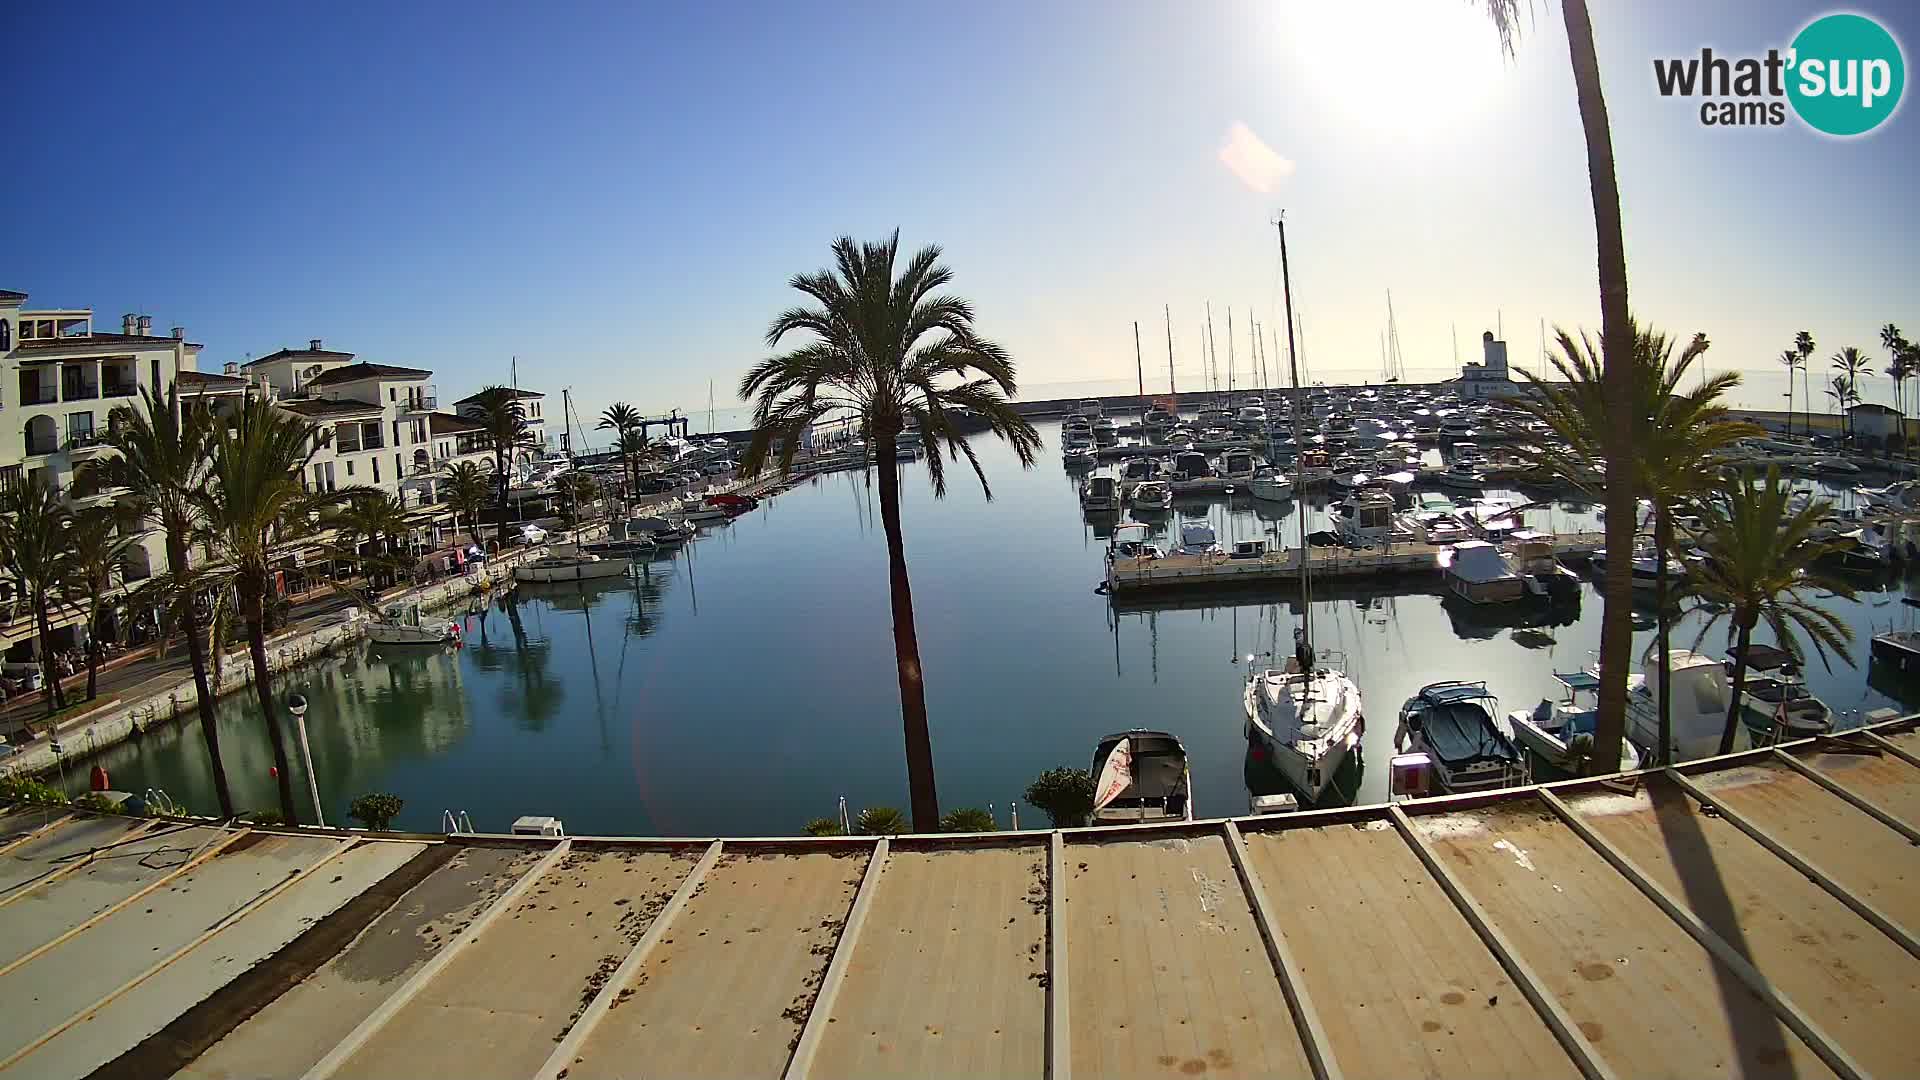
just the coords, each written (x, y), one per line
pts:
(532, 407)
(375, 414)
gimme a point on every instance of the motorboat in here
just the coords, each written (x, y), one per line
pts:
(1079, 454)
(1252, 417)
(1461, 474)
(1152, 495)
(1476, 572)
(1646, 566)
(1141, 776)
(1238, 465)
(1197, 538)
(1456, 427)
(1132, 540)
(1191, 465)
(1105, 430)
(1466, 451)
(1140, 470)
(662, 532)
(1215, 418)
(1560, 733)
(402, 624)
(1454, 724)
(1089, 408)
(1775, 703)
(1698, 713)
(1100, 492)
(1364, 518)
(1308, 720)
(1314, 467)
(1271, 485)
(1539, 568)
(560, 564)
(1494, 520)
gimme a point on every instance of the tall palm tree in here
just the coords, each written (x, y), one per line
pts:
(376, 520)
(97, 545)
(1851, 364)
(1803, 344)
(253, 509)
(1792, 360)
(163, 456)
(891, 352)
(621, 418)
(465, 489)
(500, 413)
(1840, 390)
(1677, 434)
(36, 550)
(1763, 565)
(1616, 343)
(1899, 368)
(580, 490)
(633, 450)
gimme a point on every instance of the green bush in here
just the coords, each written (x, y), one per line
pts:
(98, 803)
(1065, 795)
(968, 819)
(25, 789)
(376, 811)
(880, 821)
(265, 817)
(824, 826)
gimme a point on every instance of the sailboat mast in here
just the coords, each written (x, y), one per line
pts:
(1139, 371)
(1213, 354)
(1299, 406)
(1168, 310)
(1253, 345)
(1229, 350)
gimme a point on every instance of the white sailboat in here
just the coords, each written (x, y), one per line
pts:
(1306, 715)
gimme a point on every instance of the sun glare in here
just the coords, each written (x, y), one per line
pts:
(1400, 66)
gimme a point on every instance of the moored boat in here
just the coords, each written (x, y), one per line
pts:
(564, 565)
(404, 625)
(1141, 776)
(1454, 724)
(1560, 733)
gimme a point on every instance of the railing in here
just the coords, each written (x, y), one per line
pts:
(38, 395)
(118, 389)
(81, 440)
(78, 391)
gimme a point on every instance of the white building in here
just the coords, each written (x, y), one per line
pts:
(377, 415)
(532, 405)
(1489, 380)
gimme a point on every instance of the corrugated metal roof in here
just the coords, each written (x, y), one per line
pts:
(1751, 914)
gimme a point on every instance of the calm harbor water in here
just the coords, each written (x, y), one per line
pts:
(742, 687)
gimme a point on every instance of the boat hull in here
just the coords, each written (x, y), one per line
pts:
(547, 575)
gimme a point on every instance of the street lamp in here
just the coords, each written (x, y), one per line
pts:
(297, 705)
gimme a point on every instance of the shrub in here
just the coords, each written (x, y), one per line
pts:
(824, 826)
(968, 819)
(265, 817)
(1064, 794)
(880, 821)
(98, 803)
(376, 811)
(25, 789)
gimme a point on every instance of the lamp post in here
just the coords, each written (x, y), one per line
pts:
(297, 705)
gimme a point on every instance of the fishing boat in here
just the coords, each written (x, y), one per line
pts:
(1307, 716)
(1453, 723)
(403, 625)
(1271, 485)
(1141, 776)
(1560, 733)
(562, 564)
(1100, 493)
(1477, 573)
(1775, 703)
(1152, 495)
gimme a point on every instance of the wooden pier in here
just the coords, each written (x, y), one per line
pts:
(1283, 567)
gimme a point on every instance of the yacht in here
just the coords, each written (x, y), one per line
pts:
(1197, 538)
(1315, 467)
(1238, 465)
(1271, 485)
(1462, 474)
(1100, 492)
(1079, 455)
(1454, 724)
(403, 625)
(1141, 776)
(1089, 408)
(1775, 703)
(1105, 430)
(1699, 706)
(1457, 426)
(561, 564)
(1539, 569)
(1215, 417)
(1646, 567)
(1131, 540)
(1139, 471)
(1495, 520)
(1152, 495)
(1364, 518)
(1560, 733)
(1477, 573)
(1191, 465)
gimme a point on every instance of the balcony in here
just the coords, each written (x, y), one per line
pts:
(113, 388)
(36, 394)
(78, 390)
(426, 402)
(78, 441)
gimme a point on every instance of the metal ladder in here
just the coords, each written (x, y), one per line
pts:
(456, 822)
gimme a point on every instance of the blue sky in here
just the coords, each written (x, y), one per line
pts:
(617, 194)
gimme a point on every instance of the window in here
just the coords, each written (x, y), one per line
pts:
(349, 468)
(396, 433)
(376, 469)
(6, 335)
(392, 394)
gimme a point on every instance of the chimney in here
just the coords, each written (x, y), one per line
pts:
(313, 345)
(129, 325)
(146, 326)
(232, 367)
(179, 333)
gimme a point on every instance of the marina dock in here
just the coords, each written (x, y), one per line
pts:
(1282, 567)
(1748, 913)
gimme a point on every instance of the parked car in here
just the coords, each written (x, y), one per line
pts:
(720, 468)
(532, 534)
(718, 444)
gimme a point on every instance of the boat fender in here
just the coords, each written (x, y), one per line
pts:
(1100, 589)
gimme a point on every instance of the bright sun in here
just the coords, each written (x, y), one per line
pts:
(1392, 66)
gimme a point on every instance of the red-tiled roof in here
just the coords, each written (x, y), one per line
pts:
(97, 338)
(314, 408)
(518, 395)
(208, 380)
(357, 372)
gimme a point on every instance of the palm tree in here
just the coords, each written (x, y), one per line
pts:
(499, 411)
(377, 519)
(465, 490)
(1762, 564)
(1842, 393)
(1792, 360)
(1899, 368)
(97, 546)
(633, 449)
(579, 490)
(36, 550)
(254, 508)
(621, 418)
(1803, 344)
(1851, 364)
(892, 353)
(164, 456)
(1677, 434)
(1616, 342)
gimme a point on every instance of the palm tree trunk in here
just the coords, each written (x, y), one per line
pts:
(43, 619)
(197, 656)
(1616, 335)
(252, 590)
(93, 662)
(1662, 540)
(1739, 682)
(906, 647)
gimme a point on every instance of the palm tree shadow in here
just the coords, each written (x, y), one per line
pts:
(1759, 1038)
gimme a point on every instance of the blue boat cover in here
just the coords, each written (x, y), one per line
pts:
(1459, 730)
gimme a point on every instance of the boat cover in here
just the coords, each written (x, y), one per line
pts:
(1478, 561)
